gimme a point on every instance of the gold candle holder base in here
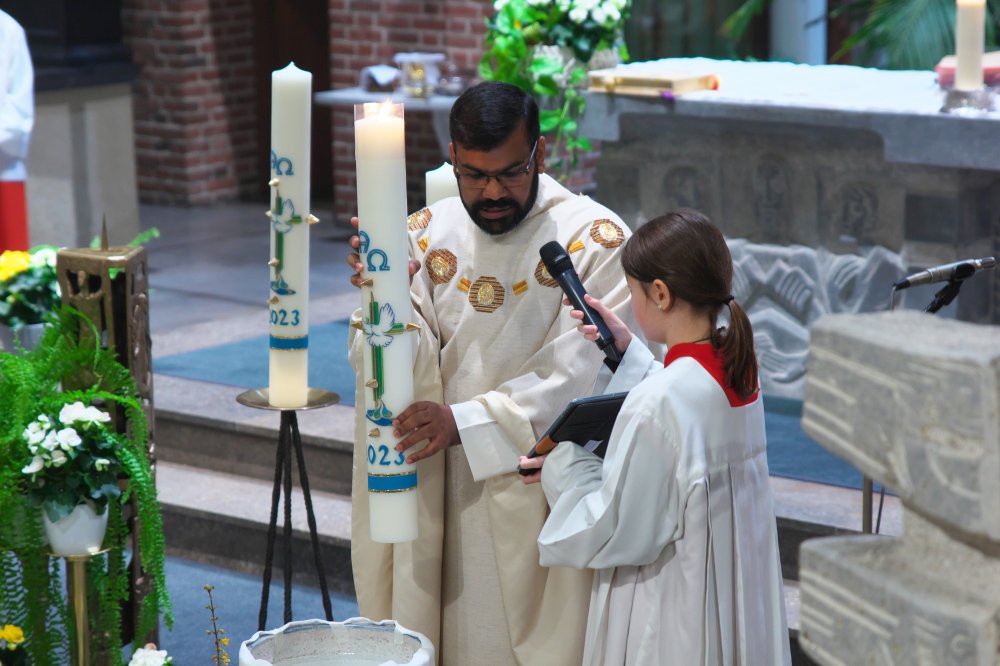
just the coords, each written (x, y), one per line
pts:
(76, 582)
(970, 102)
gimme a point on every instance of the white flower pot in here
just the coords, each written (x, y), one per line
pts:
(355, 642)
(78, 534)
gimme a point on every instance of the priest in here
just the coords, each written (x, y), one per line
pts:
(497, 359)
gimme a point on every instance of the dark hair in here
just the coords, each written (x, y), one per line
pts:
(485, 116)
(689, 253)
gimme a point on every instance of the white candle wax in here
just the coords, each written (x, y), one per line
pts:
(440, 183)
(970, 41)
(291, 104)
(386, 310)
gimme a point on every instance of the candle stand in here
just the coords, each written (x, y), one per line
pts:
(76, 584)
(289, 439)
(970, 101)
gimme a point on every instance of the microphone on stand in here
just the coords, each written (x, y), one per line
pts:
(958, 270)
(560, 267)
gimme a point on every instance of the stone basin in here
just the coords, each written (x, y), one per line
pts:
(354, 642)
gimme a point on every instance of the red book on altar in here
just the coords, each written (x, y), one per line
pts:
(991, 70)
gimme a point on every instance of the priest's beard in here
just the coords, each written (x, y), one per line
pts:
(501, 225)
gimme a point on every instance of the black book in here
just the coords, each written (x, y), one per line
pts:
(586, 421)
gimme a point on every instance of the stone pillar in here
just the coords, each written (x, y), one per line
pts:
(914, 402)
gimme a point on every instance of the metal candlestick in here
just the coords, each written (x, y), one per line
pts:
(289, 439)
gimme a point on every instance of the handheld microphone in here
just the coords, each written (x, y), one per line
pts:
(958, 270)
(560, 267)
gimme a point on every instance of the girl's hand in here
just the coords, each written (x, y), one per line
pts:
(620, 332)
(532, 463)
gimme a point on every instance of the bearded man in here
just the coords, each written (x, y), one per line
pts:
(497, 360)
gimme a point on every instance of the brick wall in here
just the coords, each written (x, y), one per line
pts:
(370, 32)
(194, 99)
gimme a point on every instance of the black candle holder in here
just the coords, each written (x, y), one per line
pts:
(289, 439)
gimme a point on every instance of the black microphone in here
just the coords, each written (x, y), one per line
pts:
(958, 270)
(559, 266)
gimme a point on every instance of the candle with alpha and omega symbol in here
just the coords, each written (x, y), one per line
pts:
(386, 316)
(291, 103)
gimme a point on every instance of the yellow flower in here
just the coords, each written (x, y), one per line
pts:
(13, 262)
(12, 634)
(224, 641)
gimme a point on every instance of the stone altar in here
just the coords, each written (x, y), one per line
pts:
(834, 157)
(914, 402)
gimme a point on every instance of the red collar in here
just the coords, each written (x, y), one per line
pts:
(711, 359)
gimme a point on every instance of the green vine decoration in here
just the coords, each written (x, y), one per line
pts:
(69, 365)
(513, 36)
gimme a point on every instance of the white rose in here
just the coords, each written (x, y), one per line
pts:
(68, 438)
(58, 458)
(148, 657)
(578, 15)
(101, 464)
(72, 413)
(36, 465)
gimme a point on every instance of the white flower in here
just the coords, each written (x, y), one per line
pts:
(614, 15)
(564, 5)
(72, 413)
(43, 257)
(58, 458)
(148, 657)
(578, 15)
(619, 4)
(68, 438)
(500, 4)
(101, 464)
(538, 3)
(35, 432)
(36, 465)
(599, 15)
(50, 443)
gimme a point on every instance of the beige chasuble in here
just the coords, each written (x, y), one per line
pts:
(499, 347)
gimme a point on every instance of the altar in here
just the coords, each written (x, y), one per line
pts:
(828, 161)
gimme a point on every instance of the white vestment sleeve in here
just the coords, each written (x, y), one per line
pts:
(621, 512)
(636, 363)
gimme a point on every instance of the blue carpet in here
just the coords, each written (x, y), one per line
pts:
(790, 452)
(244, 364)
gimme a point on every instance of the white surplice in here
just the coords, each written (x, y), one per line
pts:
(17, 108)
(499, 347)
(677, 521)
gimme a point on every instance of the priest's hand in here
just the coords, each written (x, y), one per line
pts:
(532, 463)
(354, 259)
(425, 420)
(621, 332)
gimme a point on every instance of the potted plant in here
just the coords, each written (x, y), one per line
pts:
(29, 291)
(545, 47)
(58, 403)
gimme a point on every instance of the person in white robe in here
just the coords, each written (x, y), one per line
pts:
(17, 116)
(677, 520)
(497, 360)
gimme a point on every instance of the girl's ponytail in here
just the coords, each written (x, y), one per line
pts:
(736, 344)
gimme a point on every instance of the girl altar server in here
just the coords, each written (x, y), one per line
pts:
(677, 519)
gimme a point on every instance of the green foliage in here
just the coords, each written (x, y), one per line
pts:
(512, 35)
(70, 365)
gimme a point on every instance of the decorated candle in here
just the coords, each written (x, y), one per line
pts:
(970, 36)
(441, 183)
(291, 92)
(386, 317)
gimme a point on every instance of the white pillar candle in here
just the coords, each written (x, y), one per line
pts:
(440, 183)
(386, 311)
(970, 38)
(291, 105)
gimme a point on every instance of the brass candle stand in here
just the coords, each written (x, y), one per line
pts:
(76, 583)
(289, 439)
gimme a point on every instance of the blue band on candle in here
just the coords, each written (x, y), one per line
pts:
(290, 343)
(393, 483)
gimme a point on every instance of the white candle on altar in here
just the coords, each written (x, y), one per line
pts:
(970, 38)
(440, 183)
(386, 311)
(291, 104)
